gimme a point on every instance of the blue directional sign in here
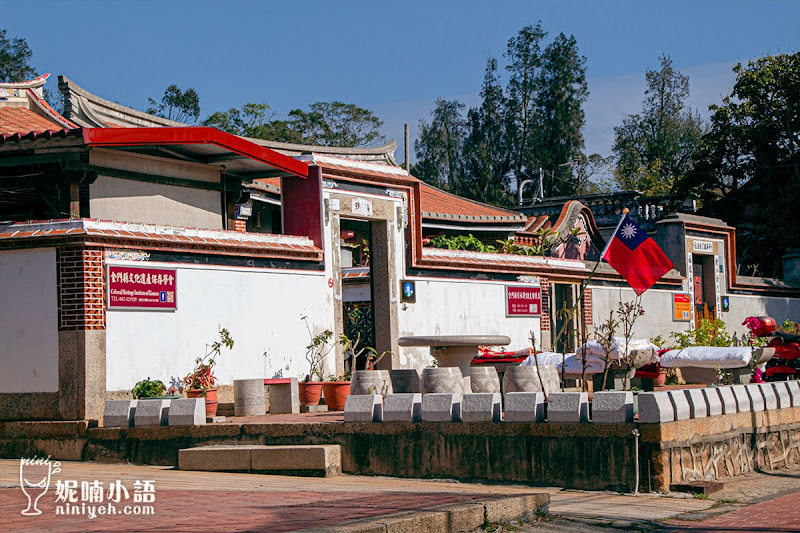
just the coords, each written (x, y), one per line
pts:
(409, 291)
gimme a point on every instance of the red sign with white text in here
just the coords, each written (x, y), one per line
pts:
(523, 301)
(141, 288)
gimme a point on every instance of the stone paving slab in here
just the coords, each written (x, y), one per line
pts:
(776, 515)
(201, 501)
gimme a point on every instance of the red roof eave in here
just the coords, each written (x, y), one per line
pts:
(193, 135)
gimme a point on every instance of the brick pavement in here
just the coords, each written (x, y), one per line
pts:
(779, 515)
(235, 511)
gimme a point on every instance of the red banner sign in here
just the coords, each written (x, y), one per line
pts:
(141, 288)
(523, 301)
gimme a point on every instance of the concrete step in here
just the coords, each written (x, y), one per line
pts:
(322, 460)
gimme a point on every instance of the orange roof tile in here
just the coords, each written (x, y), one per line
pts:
(437, 202)
(22, 120)
(440, 202)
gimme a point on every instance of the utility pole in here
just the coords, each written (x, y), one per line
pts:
(408, 163)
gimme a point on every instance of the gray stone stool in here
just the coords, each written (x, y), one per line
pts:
(248, 397)
(284, 395)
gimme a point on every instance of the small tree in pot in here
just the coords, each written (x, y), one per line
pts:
(200, 382)
(319, 346)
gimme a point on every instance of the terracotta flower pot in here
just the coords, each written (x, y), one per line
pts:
(336, 393)
(211, 399)
(310, 392)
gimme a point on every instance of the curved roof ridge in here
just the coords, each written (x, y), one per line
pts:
(35, 83)
(375, 154)
(89, 110)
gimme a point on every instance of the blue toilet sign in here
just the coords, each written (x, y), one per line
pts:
(409, 292)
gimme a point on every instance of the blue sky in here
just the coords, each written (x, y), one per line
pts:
(394, 58)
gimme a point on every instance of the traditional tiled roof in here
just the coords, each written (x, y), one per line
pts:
(441, 205)
(151, 236)
(22, 120)
(435, 203)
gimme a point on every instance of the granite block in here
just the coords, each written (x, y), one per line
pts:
(187, 412)
(782, 394)
(481, 407)
(743, 402)
(568, 407)
(794, 392)
(119, 413)
(441, 407)
(727, 399)
(680, 404)
(402, 407)
(284, 397)
(770, 398)
(524, 407)
(152, 412)
(655, 408)
(756, 397)
(698, 408)
(614, 407)
(713, 401)
(363, 408)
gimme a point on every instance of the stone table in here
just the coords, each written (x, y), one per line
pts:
(455, 350)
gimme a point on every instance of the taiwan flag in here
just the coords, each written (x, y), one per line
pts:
(636, 256)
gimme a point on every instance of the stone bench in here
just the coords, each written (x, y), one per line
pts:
(321, 460)
(284, 395)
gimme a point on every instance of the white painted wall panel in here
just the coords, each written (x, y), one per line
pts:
(657, 318)
(28, 321)
(260, 308)
(461, 307)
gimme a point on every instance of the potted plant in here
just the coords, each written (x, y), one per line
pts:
(318, 347)
(148, 388)
(200, 382)
(336, 390)
(369, 380)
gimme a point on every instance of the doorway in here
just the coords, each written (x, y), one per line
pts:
(357, 294)
(703, 286)
(564, 296)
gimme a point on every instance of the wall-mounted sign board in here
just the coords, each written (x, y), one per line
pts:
(408, 291)
(523, 300)
(681, 308)
(703, 247)
(142, 288)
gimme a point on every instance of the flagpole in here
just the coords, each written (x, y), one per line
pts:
(580, 302)
(597, 264)
(624, 212)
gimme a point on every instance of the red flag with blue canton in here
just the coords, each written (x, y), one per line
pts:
(636, 256)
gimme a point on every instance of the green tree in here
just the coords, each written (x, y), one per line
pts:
(15, 56)
(654, 148)
(336, 124)
(563, 91)
(524, 55)
(487, 159)
(747, 170)
(439, 146)
(176, 104)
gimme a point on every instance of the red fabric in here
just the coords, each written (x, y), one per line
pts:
(636, 256)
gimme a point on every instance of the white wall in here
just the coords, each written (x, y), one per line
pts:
(657, 304)
(28, 321)
(743, 306)
(471, 307)
(261, 308)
